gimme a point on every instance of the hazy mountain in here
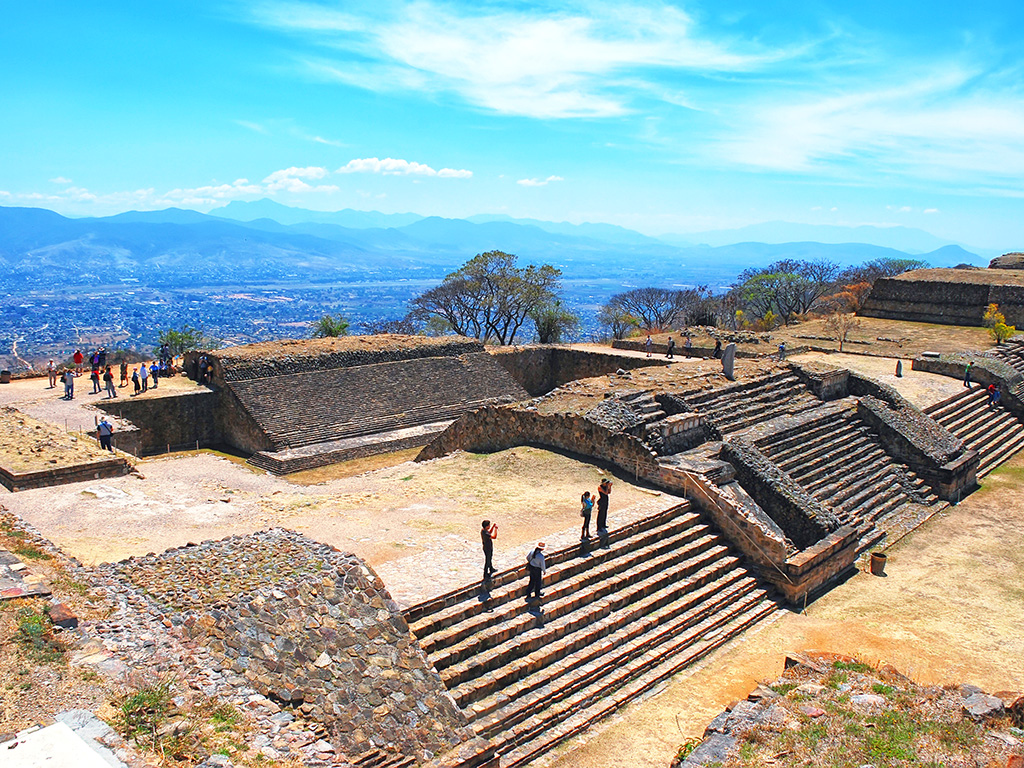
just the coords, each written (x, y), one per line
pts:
(609, 233)
(267, 209)
(904, 239)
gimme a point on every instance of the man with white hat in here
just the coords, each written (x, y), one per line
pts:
(536, 566)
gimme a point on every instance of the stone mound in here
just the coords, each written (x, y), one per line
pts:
(1014, 260)
(307, 625)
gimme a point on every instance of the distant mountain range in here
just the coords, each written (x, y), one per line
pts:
(263, 241)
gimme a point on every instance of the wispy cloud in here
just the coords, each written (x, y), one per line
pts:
(391, 166)
(539, 182)
(533, 61)
(255, 127)
(60, 180)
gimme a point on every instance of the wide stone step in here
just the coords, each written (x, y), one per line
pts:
(599, 645)
(443, 611)
(530, 647)
(496, 626)
(869, 507)
(710, 395)
(738, 404)
(840, 456)
(986, 422)
(841, 434)
(997, 457)
(797, 405)
(837, 494)
(962, 419)
(802, 442)
(839, 469)
(574, 715)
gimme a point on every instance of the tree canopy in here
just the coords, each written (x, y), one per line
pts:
(489, 297)
(186, 338)
(328, 326)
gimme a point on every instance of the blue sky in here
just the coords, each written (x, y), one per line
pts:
(663, 117)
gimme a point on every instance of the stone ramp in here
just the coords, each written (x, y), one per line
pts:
(616, 618)
(301, 409)
(995, 433)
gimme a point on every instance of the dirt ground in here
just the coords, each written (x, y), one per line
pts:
(874, 336)
(950, 609)
(415, 523)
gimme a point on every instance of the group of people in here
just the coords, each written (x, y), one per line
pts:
(687, 347)
(535, 561)
(143, 376)
(992, 390)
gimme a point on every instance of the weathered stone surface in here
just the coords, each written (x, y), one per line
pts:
(979, 706)
(62, 616)
(729, 361)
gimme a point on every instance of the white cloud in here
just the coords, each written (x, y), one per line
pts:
(931, 210)
(391, 166)
(527, 61)
(291, 180)
(899, 208)
(60, 180)
(256, 127)
(539, 182)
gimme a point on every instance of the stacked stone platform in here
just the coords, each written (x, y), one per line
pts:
(617, 617)
(836, 458)
(740, 407)
(995, 433)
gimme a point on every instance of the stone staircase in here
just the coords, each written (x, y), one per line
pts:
(840, 461)
(737, 408)
(1011, 353)
(995, 433)
(616, 618)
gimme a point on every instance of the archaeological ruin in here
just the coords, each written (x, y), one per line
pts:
(787, 475)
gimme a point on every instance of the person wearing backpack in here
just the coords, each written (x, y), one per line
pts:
(586, 509)
(106, 431)
(536, 566)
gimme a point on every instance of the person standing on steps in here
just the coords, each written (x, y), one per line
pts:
(488, 533)
(671, 348)
(993, 395)
(967, 374)
(536, 566)
(604, 490)
(106, 432)
(586, 509)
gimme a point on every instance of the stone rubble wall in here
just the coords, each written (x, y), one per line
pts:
(306, 624)
(179, 421)
(539, 368)
(948, 301)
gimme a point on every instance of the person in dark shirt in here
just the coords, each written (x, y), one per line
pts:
(488, 533)
(604, 490)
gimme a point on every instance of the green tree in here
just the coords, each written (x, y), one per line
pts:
(185, 339)
(329, 326)
(1001, 332)
(617, 320)
(554, 323)
(489, 297)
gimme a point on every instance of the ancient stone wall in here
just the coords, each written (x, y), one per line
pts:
(179, 421)
(540, 369)
(948, 296)
(306, 624)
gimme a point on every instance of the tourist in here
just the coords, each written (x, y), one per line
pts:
(154, 373)
(69, 384)
(105, 431)
(536, 566)
(51, 373)
(202, 369)
(135, 381)
(144, 376)
(95, 377)
(586, 509)
(671, 347)
(688, 346)
(717, 354)
(967, 374)
(993, 395)
(782, 351)
(79, 358)
(102, 355)
(108, 380)
(488, 533)
(94, 360)
(124, 373)
(604, 490)
(648, 345)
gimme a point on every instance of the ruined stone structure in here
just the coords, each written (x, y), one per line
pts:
(948, 296)
(306, 624)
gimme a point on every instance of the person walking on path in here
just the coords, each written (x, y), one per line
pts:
(124, 373)
(136, 381)
(144, 376)
(108, 380)
(105, 431)
(536, 566)
(688, 347)
(79, 358)
(967, 374)
(95, 378)
(586, 509)
(604, 490)
(782, 351)
(648, 345)
(671, 348)
(488, 533)
(69, 384)
(51, 372)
